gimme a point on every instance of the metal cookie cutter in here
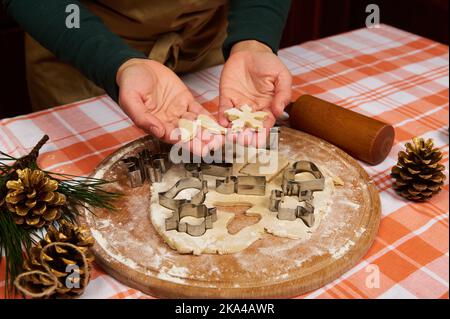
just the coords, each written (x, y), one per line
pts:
(183, 207)
(154, 164)
(146, 166)
(213, 169)
(243, 185)
(302, 189)
(305, 213)
(134, 171)
(167, 198)
(209, 216)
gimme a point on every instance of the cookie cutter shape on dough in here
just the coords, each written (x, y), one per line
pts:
(167, 198)
(154, 164)
(242, 185)
(302, 189)
(213, 169)
(209, 216)
(291, 211)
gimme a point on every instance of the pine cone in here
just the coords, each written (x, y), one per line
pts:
(32, 198)
(418, 174)
(65, 254)
(36, 284)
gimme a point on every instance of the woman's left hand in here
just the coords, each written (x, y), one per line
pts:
(254, 75)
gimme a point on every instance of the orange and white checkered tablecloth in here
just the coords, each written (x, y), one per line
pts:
(385, 73)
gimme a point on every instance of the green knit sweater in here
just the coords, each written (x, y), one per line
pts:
(98, 53)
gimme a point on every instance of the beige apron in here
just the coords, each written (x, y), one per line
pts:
(185, 35)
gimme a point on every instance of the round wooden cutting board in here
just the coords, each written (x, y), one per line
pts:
(129, 248)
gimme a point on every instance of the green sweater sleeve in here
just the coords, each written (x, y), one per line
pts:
(98, 53)
(92, 48)
(261, 20)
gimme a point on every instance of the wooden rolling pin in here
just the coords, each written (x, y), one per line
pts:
(362, 137)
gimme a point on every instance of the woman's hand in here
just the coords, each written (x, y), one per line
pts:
(155, 99)
(254, 75)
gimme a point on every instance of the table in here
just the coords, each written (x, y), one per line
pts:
(386, 73)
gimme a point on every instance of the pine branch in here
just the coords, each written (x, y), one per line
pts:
(15, 241)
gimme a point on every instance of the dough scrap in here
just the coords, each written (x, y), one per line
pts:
(245, 117)
(218, 240)
(208, 123)
(189, 129)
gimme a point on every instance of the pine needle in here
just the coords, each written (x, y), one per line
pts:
(13, 241)
(17, 240)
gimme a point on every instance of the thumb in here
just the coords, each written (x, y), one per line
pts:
(133, 105)
(154, 125)
(225, 103)
(283, 93)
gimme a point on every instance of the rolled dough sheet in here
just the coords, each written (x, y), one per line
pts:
(218, 240)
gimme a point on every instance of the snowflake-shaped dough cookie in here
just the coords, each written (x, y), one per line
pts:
(245, 117)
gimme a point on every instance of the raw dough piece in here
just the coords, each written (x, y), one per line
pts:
(208, 123)
(189, 129)
(245, 117)
(217, 240)
(336, 179)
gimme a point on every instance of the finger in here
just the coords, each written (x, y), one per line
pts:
(172, 132)
(225, 103)
(260, 138)
(133, 104)
(270, 120)
(283, 92)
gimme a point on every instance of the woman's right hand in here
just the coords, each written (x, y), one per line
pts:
(155, 98)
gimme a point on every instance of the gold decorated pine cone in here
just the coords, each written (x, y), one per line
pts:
(64, 254)
(36, 284)
(418, 174)
(33, 199)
